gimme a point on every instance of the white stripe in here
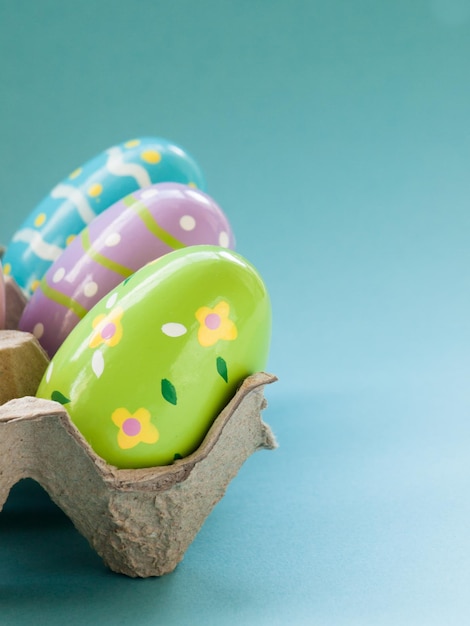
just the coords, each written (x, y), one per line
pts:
(117, 166)
(42, 249)
(76, 197)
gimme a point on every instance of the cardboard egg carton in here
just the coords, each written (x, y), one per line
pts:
(139, 521)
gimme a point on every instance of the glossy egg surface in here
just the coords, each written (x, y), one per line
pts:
(147, 370)
(85, 193)
(139, 228)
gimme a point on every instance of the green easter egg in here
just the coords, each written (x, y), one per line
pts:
(148, 369)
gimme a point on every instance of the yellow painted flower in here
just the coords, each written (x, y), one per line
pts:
(107, 328)
(134, 429)
(215, 324)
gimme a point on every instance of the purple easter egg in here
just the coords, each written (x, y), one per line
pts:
(137, 229)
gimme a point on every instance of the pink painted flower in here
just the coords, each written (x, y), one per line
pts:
(107, 328)
(134, 429)
(215, 324)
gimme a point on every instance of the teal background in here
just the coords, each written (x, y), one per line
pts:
(335, 135)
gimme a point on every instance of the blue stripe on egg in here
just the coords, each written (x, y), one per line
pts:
(86, 193)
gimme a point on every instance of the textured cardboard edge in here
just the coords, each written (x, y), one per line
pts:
(22, 364)
(15, 301)
(140, 522)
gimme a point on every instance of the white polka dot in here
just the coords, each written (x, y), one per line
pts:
(149, 193)
(90, 289)
(112, 240)
(97, 363)
(173, 329)
(38, 330)
(49, 371)
(111, 301)
(187, 222)
(224, 239)
(58, 275)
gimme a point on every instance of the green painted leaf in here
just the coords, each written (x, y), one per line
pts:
(222, 368)
(58, 396)
(169, 391)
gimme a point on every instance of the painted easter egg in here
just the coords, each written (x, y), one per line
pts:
(2, 299)
(85, 193)
(147, 370)
(139, 228)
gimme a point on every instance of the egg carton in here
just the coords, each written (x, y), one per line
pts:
(139, 521)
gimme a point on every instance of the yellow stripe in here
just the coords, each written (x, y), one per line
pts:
(102, 260)
(146, 216)
(61, 298)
